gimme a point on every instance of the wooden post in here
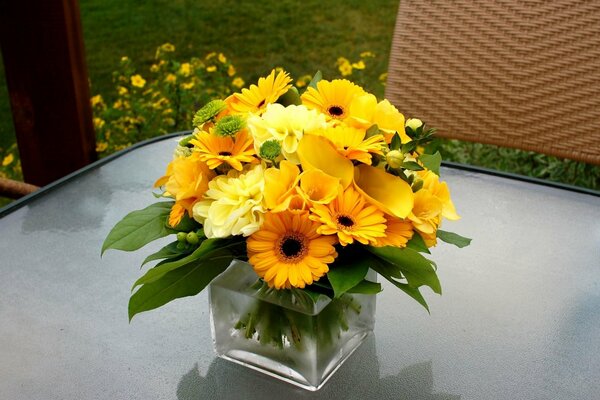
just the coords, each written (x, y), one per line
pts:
(44, 59)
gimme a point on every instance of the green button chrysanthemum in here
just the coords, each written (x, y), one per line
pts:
(270, 150)
(209, 111)
(229, 125)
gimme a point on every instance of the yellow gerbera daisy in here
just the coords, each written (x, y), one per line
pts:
(350, 217)
(216, 150)
(397, 233)
(351, 142)
(332, 98)
(256, 98)
(288, 252)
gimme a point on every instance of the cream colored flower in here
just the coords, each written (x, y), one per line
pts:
(233, 204)
(286, 125)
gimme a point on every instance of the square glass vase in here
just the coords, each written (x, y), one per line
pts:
(286, 334)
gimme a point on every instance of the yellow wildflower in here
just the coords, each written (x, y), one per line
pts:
(97, 100)
(211, 68)
(345, 69)
(231, 70)
(138, 81)
(168, 47)
(238, 82)
(98, 123)
(185, 69)
(154, 68)
(8, 160)
(122, 90)
(222, 58)
(171, 78)
(366, 54)
(187, 86)
(101, 146)
(358, 65)
(118, 104)
(303, 81)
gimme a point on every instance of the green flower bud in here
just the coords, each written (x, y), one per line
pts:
(185, 142)
(208, 112)
(181, 236)
(270, 150)
(394, 158)
(192, 238)
(413, 123)
(229, 125)
(418, 185)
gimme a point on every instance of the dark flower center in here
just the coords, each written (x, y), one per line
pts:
(336, 111)
(345, 221)
(262, 103)
(224, 153)
(291, 247)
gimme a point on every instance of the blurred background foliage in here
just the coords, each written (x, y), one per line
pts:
(241, 40)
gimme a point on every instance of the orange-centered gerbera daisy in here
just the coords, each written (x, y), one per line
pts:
(350, 217)
(256, 98)
(288, 252)
(215, 150)
(332, 98)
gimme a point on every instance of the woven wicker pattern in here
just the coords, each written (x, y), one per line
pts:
(523, 74)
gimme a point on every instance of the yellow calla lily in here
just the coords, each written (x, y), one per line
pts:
(388, 192)
(317, 152)
(318, 187)
(279, 186)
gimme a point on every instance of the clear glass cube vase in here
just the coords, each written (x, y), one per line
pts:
(286, 334)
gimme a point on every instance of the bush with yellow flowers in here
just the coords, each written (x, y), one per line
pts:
(161, 101)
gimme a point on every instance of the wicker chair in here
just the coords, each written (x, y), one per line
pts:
(521, 74)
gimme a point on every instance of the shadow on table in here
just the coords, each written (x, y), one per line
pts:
(358, 378)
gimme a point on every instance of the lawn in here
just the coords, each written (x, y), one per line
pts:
(258, 35)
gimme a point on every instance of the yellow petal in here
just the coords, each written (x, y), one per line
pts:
(386, 191)
(316, 152)
(319, 187)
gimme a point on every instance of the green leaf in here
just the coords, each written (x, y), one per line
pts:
(409, 147)
(365, 287)
(372, 131)
(453, 238)
(417, 270)
(411, 165)
(181, 282)
(139, 228)
(418, 244)
(313, 83)
(186, 224)
(169, 251)
(347, 273)
(206, 250)
(432, 162)
(396, 142)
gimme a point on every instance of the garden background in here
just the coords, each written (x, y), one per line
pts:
(217, 45)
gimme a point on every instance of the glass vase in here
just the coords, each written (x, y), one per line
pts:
(286, 334)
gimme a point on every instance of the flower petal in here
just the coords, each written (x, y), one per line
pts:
(386, 191)
(316, 152)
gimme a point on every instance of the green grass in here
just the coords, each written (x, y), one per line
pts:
(258, 35)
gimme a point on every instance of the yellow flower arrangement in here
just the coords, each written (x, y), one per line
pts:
(300, 185)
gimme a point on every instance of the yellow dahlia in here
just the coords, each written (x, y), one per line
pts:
(216, 150)
(186, 180)
(256, 98)
(286, 125)
(332, 98)
(426, 215)
(365, 111)
(288, 252)
(350, 217)
(440, 190)
(351, 143)
(232, 204)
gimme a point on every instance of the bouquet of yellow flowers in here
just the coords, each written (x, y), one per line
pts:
(315, 191)
(312, 190)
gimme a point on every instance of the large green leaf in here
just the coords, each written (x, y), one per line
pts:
(453, 238)
(432, 162)
(169, 251)
(417, 270)
(186, 224)
(418, 244)
(347, 273)
(139, 228)
(181, 282)
(316, 78)
(365, 287)
(206, 250)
